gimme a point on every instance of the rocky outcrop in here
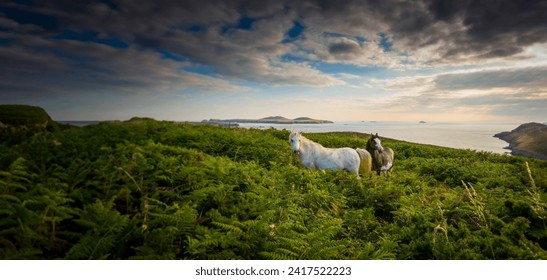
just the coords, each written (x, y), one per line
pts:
(529, 140)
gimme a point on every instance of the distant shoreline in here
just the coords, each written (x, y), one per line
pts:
(221, 122)
(273, 120)
(79, 123)
(354, 127)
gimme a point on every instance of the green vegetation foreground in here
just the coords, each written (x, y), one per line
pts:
(145, 189)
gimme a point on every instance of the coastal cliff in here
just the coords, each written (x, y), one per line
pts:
(529, 140)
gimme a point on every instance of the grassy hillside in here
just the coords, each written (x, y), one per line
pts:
(23, 115)
(19, 122)
(157, 190)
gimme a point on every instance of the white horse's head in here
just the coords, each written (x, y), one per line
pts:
(295, 139)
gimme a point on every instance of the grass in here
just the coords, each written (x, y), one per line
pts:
(23, 115)
(145, 189)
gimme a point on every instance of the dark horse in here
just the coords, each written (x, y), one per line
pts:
(382, 158)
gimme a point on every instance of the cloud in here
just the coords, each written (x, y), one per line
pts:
(490, 29)
(455, 30)
(90, 68)
(138, 47)
(344, 47)
(518, 92)
(437, 31)
(211, 33)
(531, 78)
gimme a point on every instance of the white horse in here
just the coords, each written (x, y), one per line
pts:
(314, 155)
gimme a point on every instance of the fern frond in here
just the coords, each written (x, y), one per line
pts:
(228, 227)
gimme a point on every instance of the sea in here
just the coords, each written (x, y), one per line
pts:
(473, 136)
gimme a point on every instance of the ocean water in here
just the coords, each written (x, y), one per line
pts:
(474, 136)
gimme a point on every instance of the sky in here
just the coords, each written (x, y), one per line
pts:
(381, 60)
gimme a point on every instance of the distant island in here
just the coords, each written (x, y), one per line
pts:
(275, 119)
(529, 140)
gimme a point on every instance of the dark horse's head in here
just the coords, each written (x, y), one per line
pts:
(374, 143)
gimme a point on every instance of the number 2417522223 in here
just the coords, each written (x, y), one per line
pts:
(319, 270)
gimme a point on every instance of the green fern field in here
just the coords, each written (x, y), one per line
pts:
(145, 189)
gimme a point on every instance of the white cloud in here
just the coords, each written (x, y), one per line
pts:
(518, 92)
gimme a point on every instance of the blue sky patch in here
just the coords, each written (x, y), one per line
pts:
(385, 43)
(195, 28)
(172, 56)
(293, 58)
(5, 42)
(294, 33)
(90, 36)
(201, 69)
(244, 23)
(27, 17)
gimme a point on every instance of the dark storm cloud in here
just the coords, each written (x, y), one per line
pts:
(494, 28)
(479, 29)
(343, 48)
(457, 28)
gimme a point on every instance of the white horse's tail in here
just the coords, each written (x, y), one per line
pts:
(365, 165)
